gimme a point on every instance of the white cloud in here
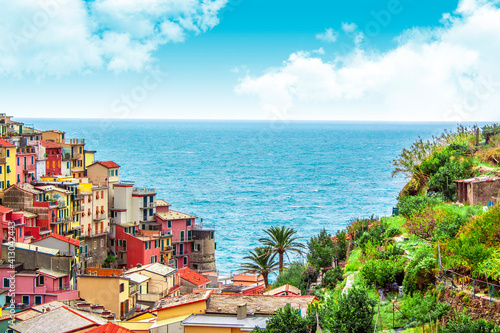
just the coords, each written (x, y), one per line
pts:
(329, 36)
(444, 73)
(349, 27)
(58, 37)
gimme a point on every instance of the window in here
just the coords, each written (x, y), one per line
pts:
(169, 224)
(112, 242)
(189, 235)
(1, 169)
(60, 284)
(38, 300)
(24, 163)
(6, 283)
(80, 149)
(95, 245)
(211, 235)
(147, 245)
(122, 287)
(26, 299)
(124, 245)
(150, 212)
(182, 235)
(153, 259)
(8, 299)
(116, 173)
(19, 178)
(18, 161)
(119, 242)
(41, 280)
(156, 244)
(8, 168)
(185, 261)
(8, 152)
(102, 242)
(67, 164)
(8, 183)
(188, 222)
(33, 160)
(112, 173)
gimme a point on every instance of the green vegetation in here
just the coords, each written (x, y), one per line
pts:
(261, 261)
(280, 241)
(431, 234)
(287, 319)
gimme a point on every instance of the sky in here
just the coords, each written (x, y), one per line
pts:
(397, 60)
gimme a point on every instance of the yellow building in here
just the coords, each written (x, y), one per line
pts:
(55, 136)
(76, 147)
(113, 292)
(7, 166)
(64, 222)
(89, 157)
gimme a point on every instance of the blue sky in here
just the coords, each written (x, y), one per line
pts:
(251, 59)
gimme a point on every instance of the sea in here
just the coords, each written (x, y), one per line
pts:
(241, 177)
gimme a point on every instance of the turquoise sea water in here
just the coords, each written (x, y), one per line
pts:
(242, 177)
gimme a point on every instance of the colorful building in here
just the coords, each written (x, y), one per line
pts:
(190, 280)
(180, 226)
(163, 281)
(113, 292)
(104, 173)
(77, 148)
(7, 165)
(12, 226)
(26, 164)
(134, 246)
(53, 157)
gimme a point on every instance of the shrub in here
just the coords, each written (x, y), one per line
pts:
(423, 223)
(423, 309)
(443, 179)
(381, 272)
(392, 232)
(287, 319)
(414, 204)
(420, 272)
(332, 276)
(293, 276)
(352, 313)
(464, 324)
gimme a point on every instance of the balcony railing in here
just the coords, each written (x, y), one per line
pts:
(100, 216)
(147, 205)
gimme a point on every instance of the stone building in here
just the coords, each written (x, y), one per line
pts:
(478, 191)
(203, 253)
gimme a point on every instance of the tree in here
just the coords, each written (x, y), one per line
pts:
(321, 250)
(353, 313)
(261, 261)
(293, 275)
(287, 320)
(282, 240)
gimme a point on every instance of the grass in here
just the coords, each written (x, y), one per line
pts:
(353, 262)
(394, 221)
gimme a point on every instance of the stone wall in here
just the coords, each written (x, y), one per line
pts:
(204, 259)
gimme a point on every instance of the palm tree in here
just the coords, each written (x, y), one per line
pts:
(261, 261)
(282, 240)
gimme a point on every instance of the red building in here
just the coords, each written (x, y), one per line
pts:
(25, 164)
(134, 246)
(12, 225)
(180, 226)
(53, 154)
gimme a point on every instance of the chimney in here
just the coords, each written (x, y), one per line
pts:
(242, 311)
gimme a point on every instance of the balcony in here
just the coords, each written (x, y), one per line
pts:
(100, 216)
(181, 240)
(166, 249)
(147, 205)
(76, 156)
(41, 290)
(3, 159)
(143, 191)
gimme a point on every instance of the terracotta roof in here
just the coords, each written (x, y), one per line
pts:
(173, 215)
(170, 302)
(258, 304)
(161, 203)
(72, 241)
(109, 328)
(283, 289)
(49, 144)
(60, 320)
(108, 164)
(5, 210)
(192, 277)
(4, 143)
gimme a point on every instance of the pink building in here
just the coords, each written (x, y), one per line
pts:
(13, 226)
(134, 246)
(180, 226)
(26, 164)
(38, 286)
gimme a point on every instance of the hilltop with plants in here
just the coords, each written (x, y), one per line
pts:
(434, 266)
